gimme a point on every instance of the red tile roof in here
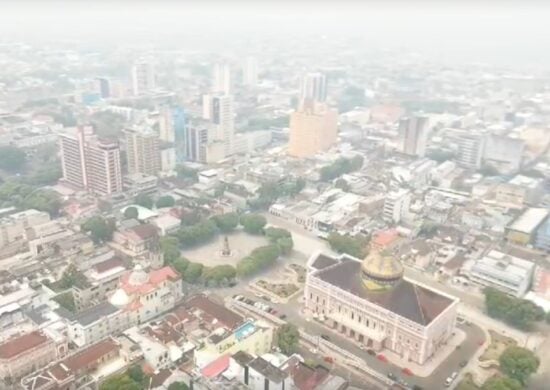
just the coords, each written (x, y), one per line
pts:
(306, 377)
(90, 355)
(145, 231)
(216, 367)
(21, 344)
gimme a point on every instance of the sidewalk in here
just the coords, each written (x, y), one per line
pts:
(432, 363)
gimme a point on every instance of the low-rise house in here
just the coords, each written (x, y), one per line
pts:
(136, 240)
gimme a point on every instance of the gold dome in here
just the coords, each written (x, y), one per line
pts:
(380, 271)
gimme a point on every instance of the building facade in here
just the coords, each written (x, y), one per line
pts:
(396, 205)
(413, 133)
(313, 88)
(90, 163)
(143, 151)
(313, 129)
(371, 302)
(143, 77)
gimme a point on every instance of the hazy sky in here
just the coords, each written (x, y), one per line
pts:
(517, 31)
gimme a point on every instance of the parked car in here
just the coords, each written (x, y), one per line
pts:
(325, 337)
(371, 352)
(392, 376)
(463, 363)
(282, 316)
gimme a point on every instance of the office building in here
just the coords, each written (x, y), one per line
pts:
(313, 129)
(143, 77)
(90, 163)
(221, 79)
(221, 116)
(371, 302)
(504, 153)
(95, 324)
(197, 140)
(143, 151)
(313, 88)
(396, 205)
(173, 128)
(522, 230)
(104, 87)
(413, 132)
(504, 272)
(470, 147)
(250, 72)
(542, 236)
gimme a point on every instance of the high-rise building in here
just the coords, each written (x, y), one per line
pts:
(143, 151)
(143, 77)
(470, 147)
(221, 79)
(250, 72)
(413, 134)
(104, 87)
(313, 87)
(221, 116)
(90, 163)
(197, 140)
(173, 128)
(313, 129)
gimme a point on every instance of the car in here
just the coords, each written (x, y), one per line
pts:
(392, 376)
(325, 337)
(371, 352)
(416, 387)
(265, 298)
(282, 316)
(463, 363)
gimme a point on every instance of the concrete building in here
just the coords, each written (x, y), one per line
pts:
(143, 77)
(470, 147)
(313, 88)
(313, 129)
(24, 354)
(250, 72)
(522, 230)
(143, 151)
(14, 227)
(370, 302)
(221, 79)
(396, 205)
(506, 273)
(138, 182)
(245, 143)
(413, 133)
(504, 153)
(90, 163)
(168, 159)
(98, 282)
(520, 190)
(96, 323)
(542, 238)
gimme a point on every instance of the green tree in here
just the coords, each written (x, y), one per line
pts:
(178, 386)
(12, 159)
(170, 248)
(258, 260)
(253, 223)
(191, 218)
(165, 201)
(516, 312)
(218, 275)
(226, 222)
(43, 200)
(339, 167)
(144, 200)
(501, 383)
(131, 213)
(187, 173)
(342, 184)
(66, 301)
(285, 245)
(180, 264)
(519, 363)
(193, 272)
(101, 230)
(121, 382)
(288, 339)
(197, 234)
(273, 234)
(346, 244)
(548, 317)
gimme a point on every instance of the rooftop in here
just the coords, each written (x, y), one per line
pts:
(21, 344)
(529, 220)
(228, 318)
(409, 300)
(95, 313)
(268, 370)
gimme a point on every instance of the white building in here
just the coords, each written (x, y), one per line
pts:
(396, 205)
(470, 147)
(221, 79)
(413, 134)
(245, 143)
(143, 77)
(506, 273)
(96, 323)
(520, 190)
(14, 226)
(313, 88)
(250, 72)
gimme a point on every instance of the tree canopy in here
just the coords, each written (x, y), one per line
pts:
(218, 275)
(253, 223)
(341, 166)
(502, 383)
(519, 363)
(258, 260)
(12, 159)
(346, 244)
(131, 213)
(165, 201)
(516, 312)
(226, 222)
(144, 200)
(288, 339)
(178, 386)
(100, 229)
(197, 234)
(280, 237)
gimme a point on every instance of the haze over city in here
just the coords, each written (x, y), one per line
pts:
(328, 195)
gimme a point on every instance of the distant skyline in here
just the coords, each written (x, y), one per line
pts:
(509, 32)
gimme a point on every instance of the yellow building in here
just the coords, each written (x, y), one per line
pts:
(312, 129)
(251, 337)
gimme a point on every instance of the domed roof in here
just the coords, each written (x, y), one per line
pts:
(119, 298)
(380, 270)
(138, 276)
